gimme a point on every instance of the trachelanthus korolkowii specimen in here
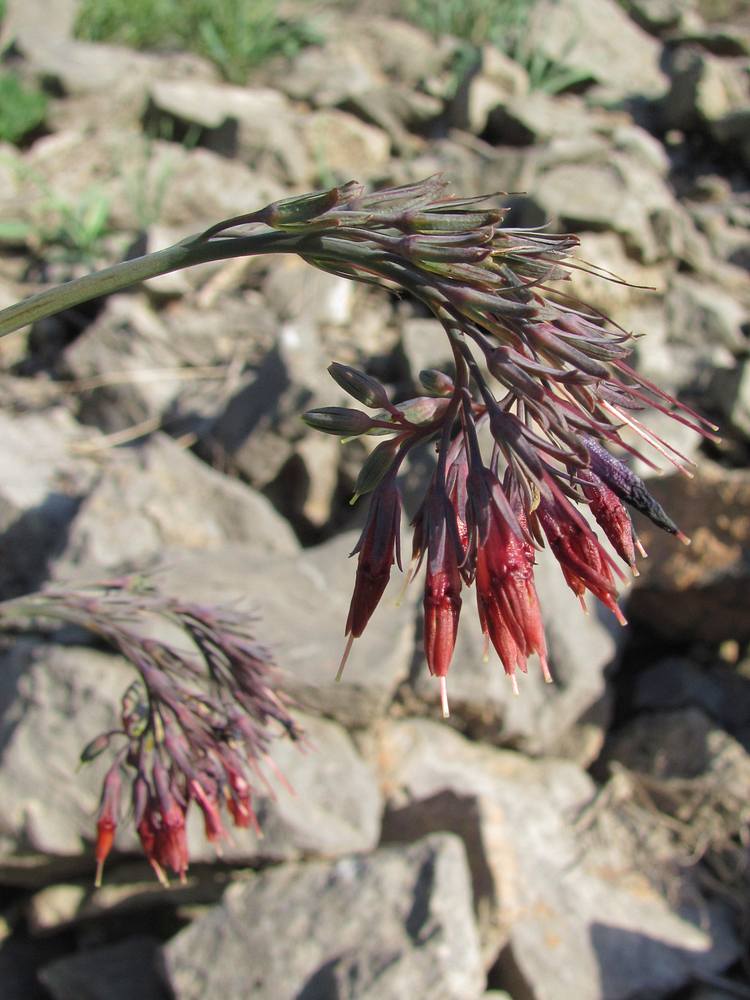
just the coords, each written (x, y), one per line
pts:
(550, 379)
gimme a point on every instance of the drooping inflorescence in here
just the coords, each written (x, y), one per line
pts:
(195, 727)
(549, 379)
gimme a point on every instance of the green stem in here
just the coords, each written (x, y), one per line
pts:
(186, 253)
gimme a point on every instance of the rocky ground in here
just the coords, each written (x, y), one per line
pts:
(586, 840)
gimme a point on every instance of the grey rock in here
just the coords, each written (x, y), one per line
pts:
(136, 366)
(54, 700)
(34, 23)
(566, 717)
(344, 145)
(128, 888)
(203, 187)
(405, 52)
(704, 91)
(656, 16)
(425, 345)
(43, 482)
(158, 496)
(731, 391)
(302, 603)
(115, 972)
(704, 318)
(257, 429)
(600, 40)
(542, 887)
(393, 924)
(329, 75)
(721, 692)
(700, 591)
(536, 117)
(582, 184)
(257, 125)
(499, 81)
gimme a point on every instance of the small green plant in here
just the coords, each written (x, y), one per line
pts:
(22, 109)
(236, 35)
(60, 229)
(505, 24)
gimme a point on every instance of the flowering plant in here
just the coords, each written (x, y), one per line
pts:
(546, 377)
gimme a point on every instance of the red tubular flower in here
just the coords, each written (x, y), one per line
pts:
(507, 601)
(379, 547)
(611, 516)
(584, 563)
(209, 805)
(107, 822)
(171, 849)
(442, 595)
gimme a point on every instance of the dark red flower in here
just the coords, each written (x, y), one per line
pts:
(507, 601)
(379, 546)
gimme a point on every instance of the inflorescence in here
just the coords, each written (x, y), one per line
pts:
(547, 376)
(195, 726)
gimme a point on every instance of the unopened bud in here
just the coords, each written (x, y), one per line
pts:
(296, 211)
(364, 388)
(375, 468)
(436, 383)
(423, 409)
(97, 746)
(338, 420)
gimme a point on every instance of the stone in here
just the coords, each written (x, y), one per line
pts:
(329, 75)
(258, 125)
(425, 345)
(136, 367)
(528, 119)
(731, 391)
(42, 485)
(344, 145)
(407, 931)
(128, 888)
(698, 592)
(567, 717)
(581, 183)
(695, 772)
(33, 23)
(656, 16)
(600, 41)
(719, 691)
(705, 317)
(115, 972)
(704, 90)
(499, 80)
(302, 603)
(570, 910)
(158, 495)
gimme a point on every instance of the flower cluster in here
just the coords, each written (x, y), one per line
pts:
(548, 379)
(195, 727)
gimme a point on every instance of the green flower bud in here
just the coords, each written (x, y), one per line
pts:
(364, 388)
(97, 746)
(377, 465)
(338, 420)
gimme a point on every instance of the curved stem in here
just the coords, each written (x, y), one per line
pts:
(186, 253)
